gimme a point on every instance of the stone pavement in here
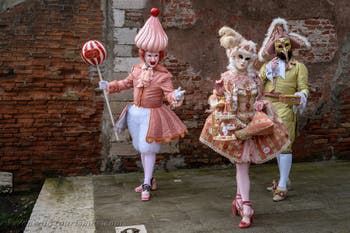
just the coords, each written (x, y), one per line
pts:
(197, 201)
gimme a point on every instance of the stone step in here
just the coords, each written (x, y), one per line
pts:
(64, 205)
(6, 185)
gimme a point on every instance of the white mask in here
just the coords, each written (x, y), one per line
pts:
(241, 62)
(152, 59)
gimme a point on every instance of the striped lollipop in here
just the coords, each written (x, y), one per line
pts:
(93, 52)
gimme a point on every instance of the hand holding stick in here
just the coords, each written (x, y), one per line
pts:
(94, 53)
(108, 105)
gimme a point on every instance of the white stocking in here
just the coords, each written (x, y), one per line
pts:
(149, 161)
(278, 160)
(285, 165)
(143, 159)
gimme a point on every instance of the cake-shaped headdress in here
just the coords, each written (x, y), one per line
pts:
(278, 30)
(151, 36)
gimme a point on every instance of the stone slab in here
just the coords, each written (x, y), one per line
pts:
(170, 148)
(125, 35)
(123, 50)
(6, 182)
(129, 4)
(119, 17)
(124, 64)
(64, 205)
(122, 148)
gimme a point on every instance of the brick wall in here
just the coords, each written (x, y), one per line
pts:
(326, 125)
(178, 14)
(50, 113)
(322, 35)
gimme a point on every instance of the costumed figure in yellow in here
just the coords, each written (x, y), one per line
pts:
(285, 85)
(242, 125)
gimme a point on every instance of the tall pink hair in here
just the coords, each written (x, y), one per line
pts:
(152, 37)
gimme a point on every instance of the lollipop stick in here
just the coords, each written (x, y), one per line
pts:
(107, 103)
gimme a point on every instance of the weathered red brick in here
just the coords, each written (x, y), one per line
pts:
(320, 141)
(45, 58)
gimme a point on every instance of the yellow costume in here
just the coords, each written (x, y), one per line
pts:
(285, 85)
(295, 81)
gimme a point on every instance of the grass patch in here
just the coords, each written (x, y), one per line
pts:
(15, 211)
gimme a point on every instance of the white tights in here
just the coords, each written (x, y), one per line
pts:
(148, 160)
(284, 165)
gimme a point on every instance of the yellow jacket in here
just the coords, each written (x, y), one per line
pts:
(295, 81)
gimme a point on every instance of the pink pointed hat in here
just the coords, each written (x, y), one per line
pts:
(152, 37)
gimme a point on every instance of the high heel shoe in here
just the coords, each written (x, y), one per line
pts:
(154, 186)
(237, 205)
(247, 212)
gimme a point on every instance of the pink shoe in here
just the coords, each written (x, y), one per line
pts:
(247, 215)
(154, 186)
(237, 205)
(146, 192)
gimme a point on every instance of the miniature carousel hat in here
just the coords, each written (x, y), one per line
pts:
(279, 29)
(152, 37)
(235, 43)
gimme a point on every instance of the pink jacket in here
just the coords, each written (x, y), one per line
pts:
(164, 124)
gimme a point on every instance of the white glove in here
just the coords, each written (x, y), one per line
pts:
(103, 85)
(275, 68)
(303, 101)
(179, 94)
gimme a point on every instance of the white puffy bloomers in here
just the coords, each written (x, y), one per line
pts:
(138, 120)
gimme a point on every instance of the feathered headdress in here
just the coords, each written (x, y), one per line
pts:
(279, 29)
(235, 43)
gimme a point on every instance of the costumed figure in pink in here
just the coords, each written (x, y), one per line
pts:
(150, 122)
(242, 126)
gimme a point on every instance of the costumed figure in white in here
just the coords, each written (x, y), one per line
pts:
(285, 85)
(150, 122)
(242, 125)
